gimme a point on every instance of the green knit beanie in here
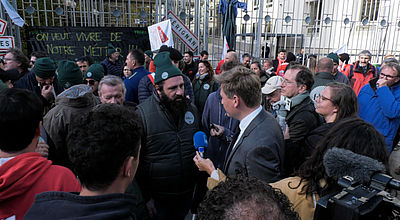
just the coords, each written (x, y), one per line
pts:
(95, 71)
(334, 57)
(164, 68)
(45, 68)
(69, 74)
(111, 49)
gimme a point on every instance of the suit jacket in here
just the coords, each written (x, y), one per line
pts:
(259, 152)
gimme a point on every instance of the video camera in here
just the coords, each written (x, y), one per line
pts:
(358, 201)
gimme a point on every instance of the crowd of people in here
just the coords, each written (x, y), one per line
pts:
(114, 140)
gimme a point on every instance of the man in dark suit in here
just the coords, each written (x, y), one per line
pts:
(258, 149)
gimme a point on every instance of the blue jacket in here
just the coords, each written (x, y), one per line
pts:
(340, 77)
(381, 108)
(215, 113)
(132, 84)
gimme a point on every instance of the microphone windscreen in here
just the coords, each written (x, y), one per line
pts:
(200, 140)
(339, 162)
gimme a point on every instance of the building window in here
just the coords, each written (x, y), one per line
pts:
(315, 13)
(256, 2)
(369, 10)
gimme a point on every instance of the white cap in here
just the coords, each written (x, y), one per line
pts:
(272, 84)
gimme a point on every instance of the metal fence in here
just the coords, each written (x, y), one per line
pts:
(317, 26)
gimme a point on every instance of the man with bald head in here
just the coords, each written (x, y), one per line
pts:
(324, 72)
(231, 55)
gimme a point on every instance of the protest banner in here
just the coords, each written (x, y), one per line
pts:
(73, 42)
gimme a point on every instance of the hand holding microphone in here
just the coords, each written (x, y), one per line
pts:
(200, 144)
(203, 164)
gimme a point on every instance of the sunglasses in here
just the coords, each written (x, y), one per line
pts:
(90, 82)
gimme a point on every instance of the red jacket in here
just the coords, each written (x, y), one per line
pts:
(152, 67)
(281, 69)
(280, 66)
(347, 69)
(26, 175)
(358, 80)
(218, 69)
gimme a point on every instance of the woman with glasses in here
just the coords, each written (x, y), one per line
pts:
(337, 101)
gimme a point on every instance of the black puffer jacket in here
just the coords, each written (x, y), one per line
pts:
(166, 167)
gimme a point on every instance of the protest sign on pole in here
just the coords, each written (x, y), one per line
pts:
(160, 34)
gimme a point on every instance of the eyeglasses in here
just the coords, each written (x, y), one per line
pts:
(90, 82)
(323, 98)
(387, 76)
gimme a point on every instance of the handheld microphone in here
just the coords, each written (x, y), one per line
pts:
(200, 142)
(339, 162)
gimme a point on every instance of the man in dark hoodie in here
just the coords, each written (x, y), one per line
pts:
(105, 161)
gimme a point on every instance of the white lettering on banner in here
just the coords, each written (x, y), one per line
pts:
(6, 42)
(183, 32)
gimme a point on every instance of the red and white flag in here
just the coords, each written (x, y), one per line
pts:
(226, 48)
